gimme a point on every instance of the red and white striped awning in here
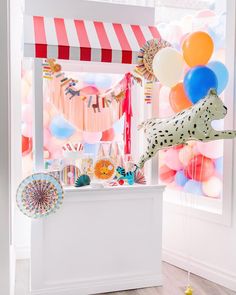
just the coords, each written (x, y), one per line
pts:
(70, 39)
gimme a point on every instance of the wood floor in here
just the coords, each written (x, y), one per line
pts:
(174, 283)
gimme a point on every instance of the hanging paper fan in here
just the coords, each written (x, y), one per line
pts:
(146, 55)
(139, 177)
(104, 169)
(39, 195)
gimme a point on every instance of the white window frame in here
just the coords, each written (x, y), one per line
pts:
(181, 201)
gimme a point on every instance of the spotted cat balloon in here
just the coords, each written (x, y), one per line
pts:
(193, 123)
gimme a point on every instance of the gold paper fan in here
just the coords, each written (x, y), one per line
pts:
(146, 56)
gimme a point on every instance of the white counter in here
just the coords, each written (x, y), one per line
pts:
(101, 240)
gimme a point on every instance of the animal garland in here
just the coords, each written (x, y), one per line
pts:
(52, 69)
(193, 123)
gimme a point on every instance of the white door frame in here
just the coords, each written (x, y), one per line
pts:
(5, 187)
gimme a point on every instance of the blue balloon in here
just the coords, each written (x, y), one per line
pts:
(119, 125)
(89, 79)
(219, 165)
(193, 187)
(103, 81)
(60, 128)
(221, 73)
(91, 148)
(180, 178)
(198, 81)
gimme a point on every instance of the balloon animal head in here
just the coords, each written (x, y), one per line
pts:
(193, 123)
(216, 107)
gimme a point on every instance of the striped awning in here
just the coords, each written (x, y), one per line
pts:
(71, 39)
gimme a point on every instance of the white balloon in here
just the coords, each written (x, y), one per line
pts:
(168, 66)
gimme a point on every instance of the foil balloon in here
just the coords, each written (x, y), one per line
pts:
(193, 123)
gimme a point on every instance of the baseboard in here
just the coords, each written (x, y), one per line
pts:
(209, 272)
(101, 286)
(22, 252)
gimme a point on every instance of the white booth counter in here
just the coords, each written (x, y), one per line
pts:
(100, 240)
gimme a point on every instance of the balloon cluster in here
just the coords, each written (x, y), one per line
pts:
(188, 73)
(194, 168)
(186, 77)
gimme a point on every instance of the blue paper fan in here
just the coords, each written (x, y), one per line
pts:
(39, 195)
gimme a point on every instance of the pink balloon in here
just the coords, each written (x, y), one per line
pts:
(212, 149)
(27, 113)
(172, 159)
(92, 137)
(185, 155)
(205, 13)
(27, 129)
(46, 118)
(165, 109)
(89, 90)
(76, 137)
(46, 136)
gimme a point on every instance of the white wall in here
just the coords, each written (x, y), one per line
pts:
(4, 151)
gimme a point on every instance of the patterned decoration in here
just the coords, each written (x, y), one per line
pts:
(139, 177)
(104, 169)
(69, 174)
(146, 55)
(148, 88)
(39, 195)
(50, 67)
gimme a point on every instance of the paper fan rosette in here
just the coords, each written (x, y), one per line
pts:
(104, 169)
(39, 195)
(146, 56)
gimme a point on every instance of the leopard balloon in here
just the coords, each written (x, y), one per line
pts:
(193, 123)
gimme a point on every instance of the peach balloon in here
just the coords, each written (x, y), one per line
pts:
(212, 187)
(197, 48)
(185, 155)
(172, 159)
(212, 150)
(77, 137)
(178, 99)
(46, 136)
(92, 137)
(46, 118)
(26, 114)
(165, 109)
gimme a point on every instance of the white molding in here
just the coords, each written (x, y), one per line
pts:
(38, 139)
(22, 252)
(101, 285)
(200, 268)
(92, 10)
(6, 275)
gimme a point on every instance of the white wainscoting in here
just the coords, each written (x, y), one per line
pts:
(201, 268)
(99, 241)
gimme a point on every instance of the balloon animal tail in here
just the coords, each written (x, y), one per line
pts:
(189, 291)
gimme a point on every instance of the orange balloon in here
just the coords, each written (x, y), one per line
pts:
(197, 48)
(178, 99)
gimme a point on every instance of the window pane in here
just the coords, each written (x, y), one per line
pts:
(195, 168)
